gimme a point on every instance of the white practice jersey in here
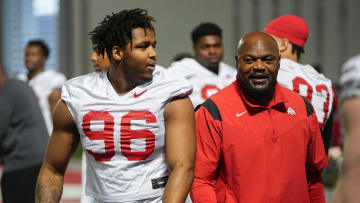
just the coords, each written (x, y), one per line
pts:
(204, 82)
(43, 85)
(306, 81)
(350, 78)
(123, 136)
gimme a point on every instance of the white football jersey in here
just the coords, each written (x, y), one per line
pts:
(306, 81)
(123, 135)
(43, 85)
(204, 82)
(350, 78)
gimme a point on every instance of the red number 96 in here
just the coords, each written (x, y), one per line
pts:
(126, 134)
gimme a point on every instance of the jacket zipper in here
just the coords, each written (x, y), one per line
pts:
(273, 137)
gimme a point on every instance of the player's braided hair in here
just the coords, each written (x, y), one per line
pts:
(116, 29)
(205, 29)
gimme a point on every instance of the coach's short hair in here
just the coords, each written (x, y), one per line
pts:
(40, 43)
(116, 29)
(205, 29)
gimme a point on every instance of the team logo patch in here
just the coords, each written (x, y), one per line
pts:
(159, 182)
(291, 111)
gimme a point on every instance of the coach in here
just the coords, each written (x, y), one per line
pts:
(257, 141)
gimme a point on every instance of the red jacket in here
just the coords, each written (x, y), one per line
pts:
(252, 153)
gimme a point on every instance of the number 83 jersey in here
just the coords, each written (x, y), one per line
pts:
(307, 82)
(123, 136)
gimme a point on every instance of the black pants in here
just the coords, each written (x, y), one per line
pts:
(19, 186)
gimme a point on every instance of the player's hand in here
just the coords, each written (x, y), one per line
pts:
(335, 157)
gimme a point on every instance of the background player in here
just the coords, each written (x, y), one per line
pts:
(100, 62)
(291, 33)
(348, 187)
(45, 83)
(205, 71)
(127, 119)
(23, 140)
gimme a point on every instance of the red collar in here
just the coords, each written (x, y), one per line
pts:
(278, 98)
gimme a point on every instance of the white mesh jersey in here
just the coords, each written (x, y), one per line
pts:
(43, 85)
(204, 82)
(350, 78)
(123, 135)
(306, 81)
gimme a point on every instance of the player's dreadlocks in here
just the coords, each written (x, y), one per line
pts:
(205, 29)
(116, 29)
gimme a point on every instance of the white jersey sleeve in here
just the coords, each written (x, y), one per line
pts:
(204, 82)
(306, 81)
(123, 136)
(43, 85)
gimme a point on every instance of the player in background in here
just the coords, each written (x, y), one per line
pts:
(335, 152)
(100, 63)
(291, 33)
(23, 140)
(205, 71)
(348, 187)
(135, 122)
(45, 83)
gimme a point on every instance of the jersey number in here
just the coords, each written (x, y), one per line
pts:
(205, 90)
(319, 88)
(126, 134)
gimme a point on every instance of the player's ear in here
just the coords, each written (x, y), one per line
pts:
(117, 53)
(283, 45)
(44, 59)
(194, 47)
(236, 61)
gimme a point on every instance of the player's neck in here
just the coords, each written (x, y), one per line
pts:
(211, 67)
(119, 82)
(32, 74)
(292, 57)
(215, 70)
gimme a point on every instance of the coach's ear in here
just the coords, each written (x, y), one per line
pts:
(117, 53)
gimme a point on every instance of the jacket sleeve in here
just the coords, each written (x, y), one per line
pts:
(316, 161)
(208, 143)
(327, 132)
